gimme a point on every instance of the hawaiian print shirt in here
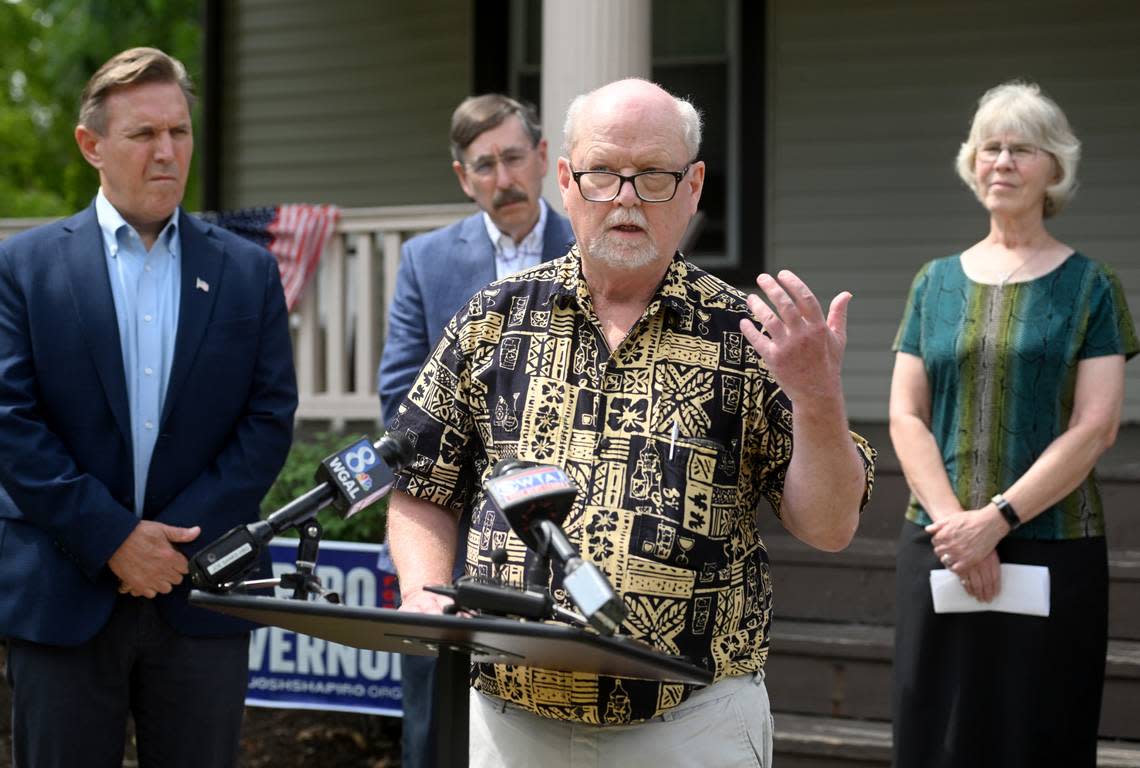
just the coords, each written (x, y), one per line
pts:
(525, 371)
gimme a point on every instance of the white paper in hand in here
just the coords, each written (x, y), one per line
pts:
(1024, 589)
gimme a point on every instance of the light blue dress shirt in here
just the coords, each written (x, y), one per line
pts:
(146, 288)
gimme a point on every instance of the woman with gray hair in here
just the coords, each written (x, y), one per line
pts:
(1007, 387)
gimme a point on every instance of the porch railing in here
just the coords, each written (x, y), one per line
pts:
(339, 326)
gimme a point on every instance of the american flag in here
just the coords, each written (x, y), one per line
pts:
(296, 234)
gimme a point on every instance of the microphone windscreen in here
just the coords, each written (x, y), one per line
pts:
(529, 493)
(396, 450)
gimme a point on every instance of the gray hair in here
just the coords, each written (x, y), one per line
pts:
(133, 66)
(1021, 108)
(690, 119)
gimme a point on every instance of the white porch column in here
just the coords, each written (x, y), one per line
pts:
(586, 43)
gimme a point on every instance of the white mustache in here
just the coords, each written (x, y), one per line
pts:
(626, 216)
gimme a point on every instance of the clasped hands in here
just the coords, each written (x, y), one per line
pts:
(965, 543)
(147, 562)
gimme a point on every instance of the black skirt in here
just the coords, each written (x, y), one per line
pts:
(974, 690)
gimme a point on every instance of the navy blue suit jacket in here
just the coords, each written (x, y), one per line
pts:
(439, 272)
(65, 436)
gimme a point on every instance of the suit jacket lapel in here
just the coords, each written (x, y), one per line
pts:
(557, 237)
(82, 252)
(477, 254)
(201, 280)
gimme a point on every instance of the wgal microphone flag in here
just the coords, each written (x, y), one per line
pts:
(296, 234)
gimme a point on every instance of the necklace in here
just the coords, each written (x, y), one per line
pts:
(1003, 279)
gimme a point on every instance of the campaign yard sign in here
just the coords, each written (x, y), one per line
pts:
(293, 671)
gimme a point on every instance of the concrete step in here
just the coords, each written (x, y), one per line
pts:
(844, 670)
(858, 584)
(804, 741)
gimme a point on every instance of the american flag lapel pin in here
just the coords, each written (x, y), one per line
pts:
(201, 285)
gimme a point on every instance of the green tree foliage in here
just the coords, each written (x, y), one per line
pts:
(296, 478)
(48, 50)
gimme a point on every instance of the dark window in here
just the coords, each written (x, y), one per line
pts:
(491, 44)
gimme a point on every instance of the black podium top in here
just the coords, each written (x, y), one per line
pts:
(490, 640)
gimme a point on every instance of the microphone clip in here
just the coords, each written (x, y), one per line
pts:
(304, 581)
(473, 594)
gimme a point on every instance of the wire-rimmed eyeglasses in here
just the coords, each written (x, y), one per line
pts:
(649, 186)
(512, 159)
(991, 151)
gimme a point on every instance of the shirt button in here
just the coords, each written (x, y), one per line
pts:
(604, 443)
(148, 424)
(147, 318)
(148, 371)
(147, 268)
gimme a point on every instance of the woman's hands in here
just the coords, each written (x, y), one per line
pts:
(965, 542)
(983, 581)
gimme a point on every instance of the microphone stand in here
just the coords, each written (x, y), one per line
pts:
(537, 574)
(304, 581)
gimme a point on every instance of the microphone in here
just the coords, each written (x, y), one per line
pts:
(525, 492)
(535, 499)
(349, 480)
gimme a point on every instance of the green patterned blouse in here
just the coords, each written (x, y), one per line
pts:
(1002, 365)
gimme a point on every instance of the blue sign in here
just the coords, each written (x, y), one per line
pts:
(292, 671)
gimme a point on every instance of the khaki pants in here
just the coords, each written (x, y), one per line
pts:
(726, 724)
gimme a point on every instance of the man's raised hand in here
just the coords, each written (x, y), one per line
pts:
(802, 349)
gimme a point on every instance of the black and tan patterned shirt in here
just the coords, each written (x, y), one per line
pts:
(524, 370)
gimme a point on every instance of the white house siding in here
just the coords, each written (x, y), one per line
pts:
(342, 101)
(868, 103)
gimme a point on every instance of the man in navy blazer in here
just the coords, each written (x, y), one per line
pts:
(499, 158)
(147, 395)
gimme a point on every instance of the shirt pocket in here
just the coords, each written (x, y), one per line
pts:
(686, 520)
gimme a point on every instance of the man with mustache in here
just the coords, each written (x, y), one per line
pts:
(499, 156)
(146, 405)
(650, 382)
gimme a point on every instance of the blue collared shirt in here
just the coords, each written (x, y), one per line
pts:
(511, 258)
(146, 288)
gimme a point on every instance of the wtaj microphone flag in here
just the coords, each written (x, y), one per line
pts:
(288, 670)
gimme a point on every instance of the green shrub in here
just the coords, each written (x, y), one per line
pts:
(296, 478)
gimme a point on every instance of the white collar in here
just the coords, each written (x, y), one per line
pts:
(111, 222)
(533, 239)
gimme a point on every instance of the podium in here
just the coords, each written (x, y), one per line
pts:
(458, 641)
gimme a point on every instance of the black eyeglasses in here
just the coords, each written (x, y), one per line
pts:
(650, 186)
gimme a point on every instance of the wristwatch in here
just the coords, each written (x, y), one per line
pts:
(1007, 511)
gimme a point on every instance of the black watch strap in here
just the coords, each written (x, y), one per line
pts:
(1007, 511)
